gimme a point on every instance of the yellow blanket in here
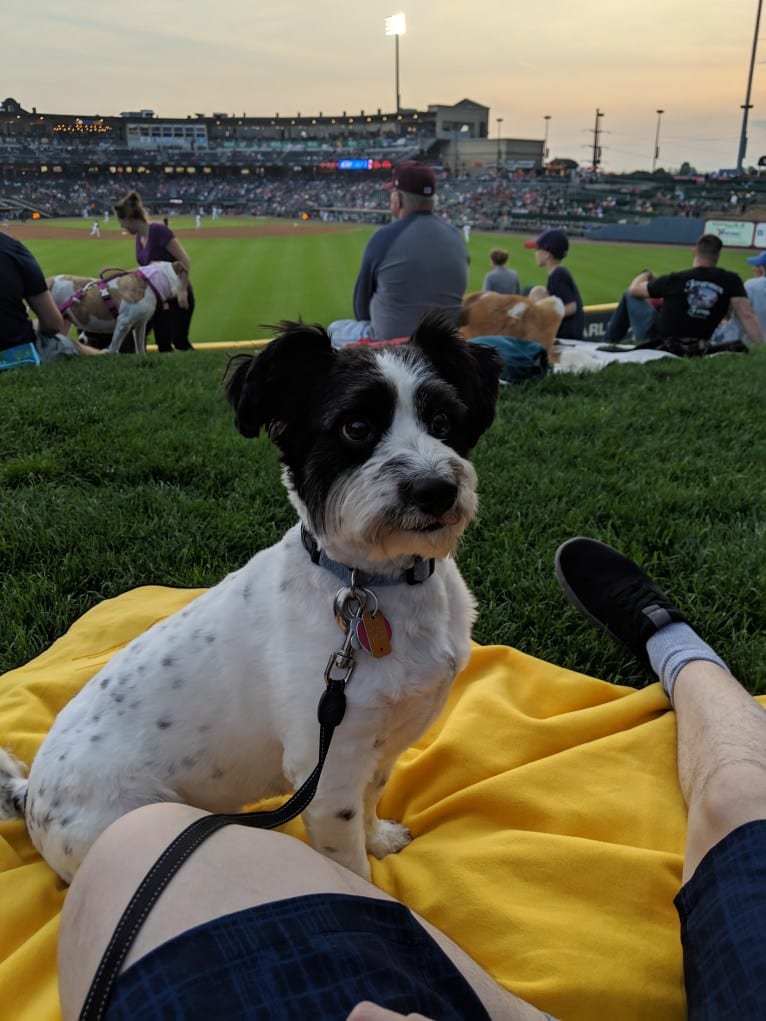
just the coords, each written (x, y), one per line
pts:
(548, 823)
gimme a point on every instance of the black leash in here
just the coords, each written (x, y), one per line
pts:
(332, 706)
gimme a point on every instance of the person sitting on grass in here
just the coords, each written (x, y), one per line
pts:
(500, 279)
(416, 263)
(551, 248)
(300, 936)
(694, 302)
(22, 283)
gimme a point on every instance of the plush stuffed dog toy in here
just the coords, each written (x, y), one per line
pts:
(486, 314)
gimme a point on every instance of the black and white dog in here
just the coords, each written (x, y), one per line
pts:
(217, 705)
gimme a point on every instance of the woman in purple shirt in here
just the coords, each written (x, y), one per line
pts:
(155, 242)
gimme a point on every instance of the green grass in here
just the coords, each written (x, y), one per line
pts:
(243, 283)
(116, 473)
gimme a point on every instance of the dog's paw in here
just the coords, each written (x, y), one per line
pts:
(388, 837)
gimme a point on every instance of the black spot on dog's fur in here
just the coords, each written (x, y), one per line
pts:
(105, 682)
(330, 849)
(178, 682)
(94, 738)
(347, 814)
(164, 724)
(167, 661)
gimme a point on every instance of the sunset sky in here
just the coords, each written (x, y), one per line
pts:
(563, 58)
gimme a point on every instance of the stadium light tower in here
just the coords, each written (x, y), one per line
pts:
(747, 105)
(547, 119)
(396, 26)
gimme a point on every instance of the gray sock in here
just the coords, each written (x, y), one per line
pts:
(671, 648)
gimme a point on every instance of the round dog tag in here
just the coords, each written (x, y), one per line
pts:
(373, 632)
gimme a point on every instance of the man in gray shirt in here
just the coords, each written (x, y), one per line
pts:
(416, 263)
(756, 288)
(500, 279)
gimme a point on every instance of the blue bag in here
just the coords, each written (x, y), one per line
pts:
(522, 359)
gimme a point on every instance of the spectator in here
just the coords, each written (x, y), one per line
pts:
(414, 264)
(22, 280)
(156, 242)
(694, 302)
(755, 288)
(550, 250)
(500, 279)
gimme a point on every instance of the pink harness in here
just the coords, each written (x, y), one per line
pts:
(103, 290)
(157, 279)
(153, 274)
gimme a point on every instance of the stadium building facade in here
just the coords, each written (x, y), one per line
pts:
(455, 137)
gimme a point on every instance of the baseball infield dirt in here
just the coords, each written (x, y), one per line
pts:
(50, 232)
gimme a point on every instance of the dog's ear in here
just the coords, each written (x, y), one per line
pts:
(473, 369)
(267, 390)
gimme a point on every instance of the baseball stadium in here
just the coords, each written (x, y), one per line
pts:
(549, 830)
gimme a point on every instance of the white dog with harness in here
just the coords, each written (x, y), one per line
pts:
(118, 303)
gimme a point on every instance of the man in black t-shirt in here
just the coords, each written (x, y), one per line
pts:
(694, 302)
(22, 280)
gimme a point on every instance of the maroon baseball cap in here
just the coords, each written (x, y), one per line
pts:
(414, 178)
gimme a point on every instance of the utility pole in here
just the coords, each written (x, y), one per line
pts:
(657, 141)
(597, 140)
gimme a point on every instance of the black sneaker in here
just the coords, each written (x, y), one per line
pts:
(612, 592)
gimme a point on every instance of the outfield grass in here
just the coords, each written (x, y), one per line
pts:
(122, 472)
(243, 283)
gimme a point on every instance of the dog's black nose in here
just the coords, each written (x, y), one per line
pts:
(431, 494)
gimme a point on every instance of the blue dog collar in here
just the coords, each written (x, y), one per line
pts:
(420, 571)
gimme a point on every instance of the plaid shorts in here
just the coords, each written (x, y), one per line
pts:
(306, 957)
(723, 929)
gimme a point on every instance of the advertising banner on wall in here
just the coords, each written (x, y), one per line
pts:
(759, 241)
(737, 233)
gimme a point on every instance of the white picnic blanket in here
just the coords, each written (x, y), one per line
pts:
(587, 356)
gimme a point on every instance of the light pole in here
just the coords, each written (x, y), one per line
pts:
(657, 141)
(499, 151)
(396, 26)
(748, 106)
(546, 118)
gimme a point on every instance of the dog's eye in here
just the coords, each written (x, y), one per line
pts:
(357, 430)
(439, 425)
